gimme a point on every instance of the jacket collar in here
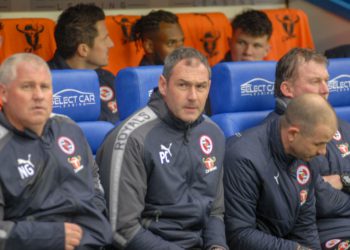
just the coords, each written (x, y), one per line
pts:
(275, 142)
(57, 62)
(27, 132)
(158, 105)
(281, 105)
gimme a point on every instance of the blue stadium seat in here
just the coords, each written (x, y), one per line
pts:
(76, 94)
(339, 86)
(134, 86)
(241, 94)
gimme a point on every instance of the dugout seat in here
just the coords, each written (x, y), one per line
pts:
(290, 28)
(134, 86)
(339, 86)
(241, 94)
(208, 33)
(76, 94)
(34, 35)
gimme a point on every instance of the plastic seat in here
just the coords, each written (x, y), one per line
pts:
(290, 29)
(125, 52)
(134, 86)
(34, 35)
(208, 33)
(241, 94)
(339, 86)
(77, 95)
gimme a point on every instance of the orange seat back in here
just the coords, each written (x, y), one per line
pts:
(290, 29)
(208, 33)
(124, 53)
(34, 35)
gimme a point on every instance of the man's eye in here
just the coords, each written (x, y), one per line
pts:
(26, 86)
(171, 43)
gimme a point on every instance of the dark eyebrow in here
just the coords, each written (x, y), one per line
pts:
(184, 81)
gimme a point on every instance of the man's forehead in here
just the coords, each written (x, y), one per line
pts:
(308, 67)
(193, 63)
(187, 66)
(323, 132)
(242, 33)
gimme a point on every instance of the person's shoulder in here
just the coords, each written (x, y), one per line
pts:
(341, 51)
(57, 62)
(271, 116)
(136, 125)
(250, 141)
(106, 78)
(103, 73)
(213, 126)
(63, 120)
(343, 125)
(3, 132)
(227, 58)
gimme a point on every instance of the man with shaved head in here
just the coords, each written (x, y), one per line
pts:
(303, 71)
(268, 182)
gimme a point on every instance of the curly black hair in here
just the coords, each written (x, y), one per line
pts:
(150, 23)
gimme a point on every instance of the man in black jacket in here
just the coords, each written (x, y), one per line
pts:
(269, 184)
(83, 43)
(162, 167)
(303, 71)
(50, 193)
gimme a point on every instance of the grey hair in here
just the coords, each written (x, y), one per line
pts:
(8, 69)
(183, 53)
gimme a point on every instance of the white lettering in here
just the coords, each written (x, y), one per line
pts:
(25, 171)
(164, 154)
(257, 86)
(72, 98)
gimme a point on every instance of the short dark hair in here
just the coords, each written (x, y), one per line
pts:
(253, 22)
(287, 66)
(183, 53)
(150, 23)
(77, 25)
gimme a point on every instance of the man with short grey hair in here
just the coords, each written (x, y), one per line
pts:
(303, 71)
(50, 194)
(162, 167)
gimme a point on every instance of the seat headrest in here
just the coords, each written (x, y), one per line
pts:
(208, 33)
(242, 86)
(339, 86)
(125, 52)
(76, 93)
(95, 132)
(34, 35)
(232, 123)
(134, 86)
(339, 82)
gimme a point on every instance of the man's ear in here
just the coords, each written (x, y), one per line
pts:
(3, 93)
(292, 133)
(148, 46)
(83, 50)
(287, 89)
(162, 85)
